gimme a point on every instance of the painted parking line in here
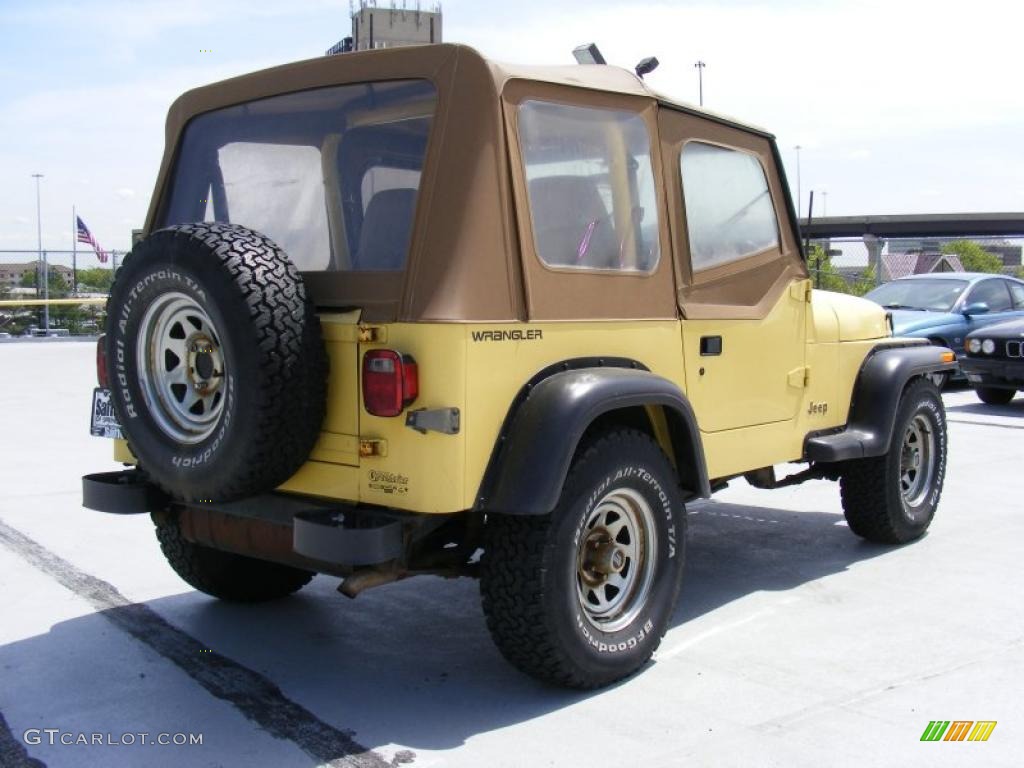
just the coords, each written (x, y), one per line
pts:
(256, 697)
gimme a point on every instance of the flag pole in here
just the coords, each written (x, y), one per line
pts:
(74, 252)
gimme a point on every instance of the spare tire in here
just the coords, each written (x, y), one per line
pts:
(216, 364)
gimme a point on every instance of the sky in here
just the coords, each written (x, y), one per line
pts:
(903, 106)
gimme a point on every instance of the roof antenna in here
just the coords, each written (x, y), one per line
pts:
(646, 66)
(588, 54)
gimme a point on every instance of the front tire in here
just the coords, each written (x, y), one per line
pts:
(581, 597)
(226, 575)
(891, 499)
(994, 395)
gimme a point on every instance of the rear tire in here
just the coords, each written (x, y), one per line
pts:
(891, 499)
(994, 395)
(226, 575)
(581, 597)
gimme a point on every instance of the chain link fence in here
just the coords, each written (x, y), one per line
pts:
(856, 265)
(71, 276)
(851, 265)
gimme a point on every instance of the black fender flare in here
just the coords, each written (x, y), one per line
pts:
(876, 396)
(540, 437)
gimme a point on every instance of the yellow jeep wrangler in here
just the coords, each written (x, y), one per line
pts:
(414, 312)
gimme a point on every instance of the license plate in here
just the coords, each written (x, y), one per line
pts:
(104, 422)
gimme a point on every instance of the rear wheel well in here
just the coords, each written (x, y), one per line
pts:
(666, 426)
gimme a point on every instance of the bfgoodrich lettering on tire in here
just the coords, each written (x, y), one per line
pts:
(581, 597)
(891, 499)
(217, 367)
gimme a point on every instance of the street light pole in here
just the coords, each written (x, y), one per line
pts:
(799, 195)
(42, 258)
(700, 79)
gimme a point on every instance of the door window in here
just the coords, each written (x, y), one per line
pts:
(1017, 292)
(990, 292)
(729, 211)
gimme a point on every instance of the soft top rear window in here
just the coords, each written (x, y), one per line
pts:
(330, 174)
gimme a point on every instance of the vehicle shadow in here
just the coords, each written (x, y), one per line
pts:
(735, 550)
(412, 663)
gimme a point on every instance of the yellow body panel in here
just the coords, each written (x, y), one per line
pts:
(341, 336)
(121, 452)
(331, 481)
(758, 377)
(500, 368)
(421, 472)
(776, 380)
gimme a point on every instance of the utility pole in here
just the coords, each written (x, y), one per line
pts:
(42, 257)
(74, 251)
(799, 196)
(824, 202)
(700, 79)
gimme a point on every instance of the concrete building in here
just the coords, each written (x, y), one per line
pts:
(390, 26)
(11, 274)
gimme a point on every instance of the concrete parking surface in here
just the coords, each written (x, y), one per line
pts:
(794, 642)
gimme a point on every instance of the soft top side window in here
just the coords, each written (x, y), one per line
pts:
(729, 210)
(590, 183)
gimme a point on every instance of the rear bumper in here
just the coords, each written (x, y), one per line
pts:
(121, 493)
(1007, 374)
(275, 526)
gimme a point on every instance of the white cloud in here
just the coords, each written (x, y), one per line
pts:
(125, 193)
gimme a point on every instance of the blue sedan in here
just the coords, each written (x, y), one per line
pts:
(944, 307)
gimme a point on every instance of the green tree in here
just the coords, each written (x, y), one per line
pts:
(97, 279)
(823, 274)
(865, 281)
(58, 286)
(973, 256)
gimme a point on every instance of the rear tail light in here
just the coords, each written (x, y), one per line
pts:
(101, 362)
(390, 382)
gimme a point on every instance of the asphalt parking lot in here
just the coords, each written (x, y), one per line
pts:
(794, 643)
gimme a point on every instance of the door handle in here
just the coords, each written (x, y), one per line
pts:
(710, 345)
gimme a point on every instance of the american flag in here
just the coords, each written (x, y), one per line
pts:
(85, 236)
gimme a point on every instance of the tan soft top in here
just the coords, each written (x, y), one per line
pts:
(464, 261)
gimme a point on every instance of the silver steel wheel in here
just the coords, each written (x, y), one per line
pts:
(615, 560)
(917, 461)
(181, 368)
